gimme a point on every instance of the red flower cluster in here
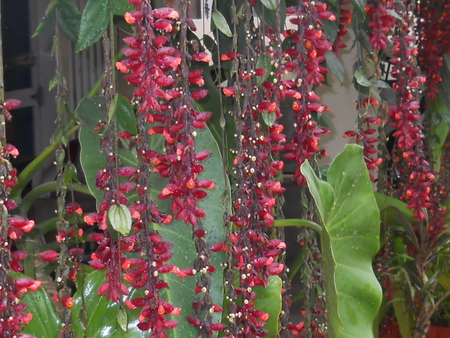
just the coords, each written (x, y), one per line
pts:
(434, 41)
(251, 255)
(12, 315)
(405, 116)
(309, 46)
(366, 137)
(344, 18)
(166, 89)
(381, 22)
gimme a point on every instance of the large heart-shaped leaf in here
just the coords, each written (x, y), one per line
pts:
(350, 239)
(95, 316)
(181, 292)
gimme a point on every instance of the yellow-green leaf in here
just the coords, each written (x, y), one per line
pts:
(120, 218)
(221, 23)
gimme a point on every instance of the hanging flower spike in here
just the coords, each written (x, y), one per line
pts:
(410, 158)
(306, 66)
(434, 41)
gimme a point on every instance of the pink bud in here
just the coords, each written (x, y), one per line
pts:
(199, 94)
(11, 104)
(49, 256)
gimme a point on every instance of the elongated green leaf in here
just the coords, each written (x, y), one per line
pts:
(394, 14)
(45, 322)
(385, 201)
(350, 240)
(47, 19)
(90, 111)
(361, 78)
(381, 84)
(270, 4)
(263, 62)
(95, 316)
(125, 115)
(120, 218)
(94, 21)
(359, 5)
(69, 18)
(122, 319)
(447, 61)
(439, 114)
(335, 65)
(444, 85)
(221, 23)
(444, 281)
(270, 16)
(402, 314)
(119, 7)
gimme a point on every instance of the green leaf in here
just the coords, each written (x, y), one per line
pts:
(263, 62)
(95, 316)
(385, 201)
(444, 85)
(402, 314)
(439, 115)
(359, 5)
(270, 17)
(126, 116)
(335, 65)
(90, 111)
(381, 84)
(268, 300)
(47, 19)
(444, 281)
(270, 4)
(120, 7)
(215, 205)
(221, 23)
(70, 173)
(122, 319)
(120, 218)
(350, 239)
(53, 82)
(447, 61)
(45, 323)
(331, 28)
(269, 118)
(94, 21)
(361, 78)
(69, 18)
(394, 14)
